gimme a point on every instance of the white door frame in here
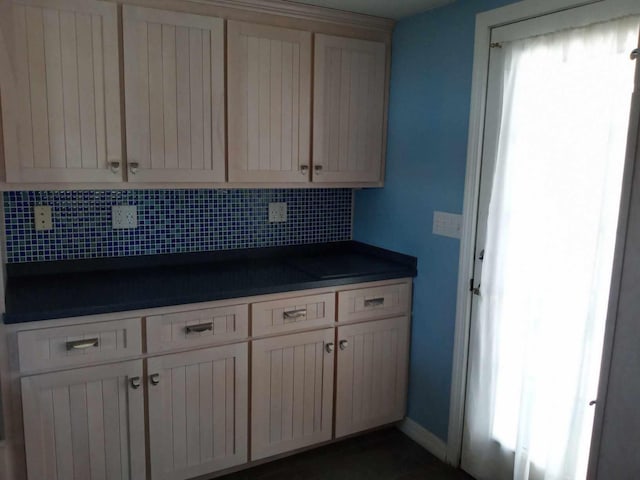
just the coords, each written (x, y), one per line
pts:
(485, 23)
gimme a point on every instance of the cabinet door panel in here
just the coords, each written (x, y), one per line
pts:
(292, 392)
(67, 93)
(174, 96)
(198, 411)
(269, 82)
(348, 110)
(371, 375)
(85, 423)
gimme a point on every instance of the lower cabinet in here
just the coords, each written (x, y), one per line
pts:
(198, 411)
(292, 392)
(371, 381)
(86, 423)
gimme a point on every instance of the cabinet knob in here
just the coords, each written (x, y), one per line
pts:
(329, 347)
(635, 54)
(318, 169)
(304, 169)
(154, 379)
(133, 167)
(114, 166)
(135, 383)
(344, 344)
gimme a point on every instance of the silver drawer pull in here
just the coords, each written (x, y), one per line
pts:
(202, 327)
(82, 344)
(294, 314)
(374, 302)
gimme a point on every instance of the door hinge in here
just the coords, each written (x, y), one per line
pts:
(495, 45)
(471, 285)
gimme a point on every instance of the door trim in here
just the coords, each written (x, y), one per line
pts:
(485, 23)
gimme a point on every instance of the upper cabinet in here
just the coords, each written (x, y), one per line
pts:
(269, 88)
(95, 93)
(174, 93)
(348, 110)
(65, 124)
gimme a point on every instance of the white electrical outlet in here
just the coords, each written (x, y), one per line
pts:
(124, 216)
(42, 217)
(277, 212)
(447, 224)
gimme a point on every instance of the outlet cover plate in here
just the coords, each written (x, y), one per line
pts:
(42, 218)
(447, 224)
(277, 212)
(124, 216)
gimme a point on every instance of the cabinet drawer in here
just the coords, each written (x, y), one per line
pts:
(375, 302)
(196, 327)
(79, 344)
(291, 314)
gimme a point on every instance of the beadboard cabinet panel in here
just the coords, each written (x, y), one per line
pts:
(68, 93)
(198, 411)
(292, 392)
(348, 110)
(86, 423)
(174, 96)
(371, 383)
(269, 95)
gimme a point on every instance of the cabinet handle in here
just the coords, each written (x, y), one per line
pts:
(374, 302)
(114, 166)
(202, 327)
(133, 167)
(344, 344)
(135, 383)
(318, 169)
(82, 344)
(329, 347)
(154, 379)
(295, 314)
(635, 54)
(304, 169)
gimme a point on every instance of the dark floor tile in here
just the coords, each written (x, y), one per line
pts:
(383, 455)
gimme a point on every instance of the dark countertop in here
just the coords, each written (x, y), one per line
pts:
(48, 290)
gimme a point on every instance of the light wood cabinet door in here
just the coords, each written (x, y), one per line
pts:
(292, 392)
(86, 423)
(198, 411)
(348, 110)
(174, 96)
(269, 86)
(371, 384)
(66, 126)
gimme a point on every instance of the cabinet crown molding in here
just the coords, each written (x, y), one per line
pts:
(303, 11)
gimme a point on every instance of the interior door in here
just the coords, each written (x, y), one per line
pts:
(198, 411)
(553, 157)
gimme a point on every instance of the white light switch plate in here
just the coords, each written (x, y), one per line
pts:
(447, 224)
(124, 216)
(42, 218)
(277, 212)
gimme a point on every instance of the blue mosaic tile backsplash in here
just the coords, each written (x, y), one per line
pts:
(171, 221)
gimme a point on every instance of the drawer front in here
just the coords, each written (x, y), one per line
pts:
(79, 344)
(292, 314)
(375, 302)
(196, 328)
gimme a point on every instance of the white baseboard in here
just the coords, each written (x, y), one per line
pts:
(424, 438)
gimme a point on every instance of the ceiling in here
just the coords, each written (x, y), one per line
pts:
(395, 9)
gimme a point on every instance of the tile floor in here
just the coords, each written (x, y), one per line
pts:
(383, 455)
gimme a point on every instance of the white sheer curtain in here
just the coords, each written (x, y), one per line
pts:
(538, 325)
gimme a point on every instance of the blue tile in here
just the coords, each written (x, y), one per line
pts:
(171, 221)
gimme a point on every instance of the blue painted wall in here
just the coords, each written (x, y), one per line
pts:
(431, 70)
